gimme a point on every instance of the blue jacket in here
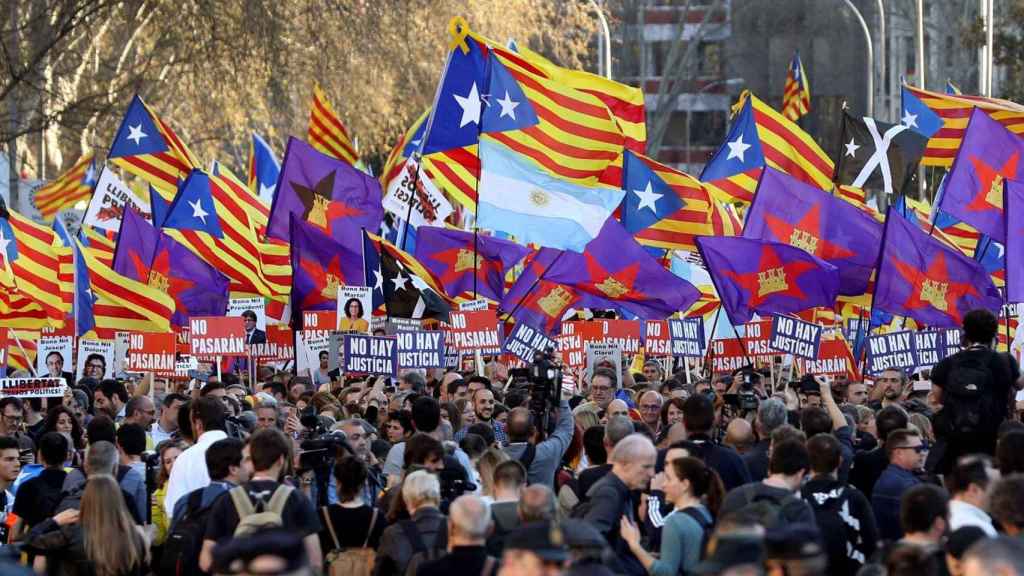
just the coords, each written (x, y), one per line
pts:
(549, 452)
(885, 500)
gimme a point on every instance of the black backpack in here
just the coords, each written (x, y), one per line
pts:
(420, 553)
(968, 395)
(706, 527)
(185, 539)
(841, 539)
(769, 509)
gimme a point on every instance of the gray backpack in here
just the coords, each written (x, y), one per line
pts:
(269, 517)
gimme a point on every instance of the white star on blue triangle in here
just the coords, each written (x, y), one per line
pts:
(456, 114)
(508, 107)
(741, 150)
(138, 133)
(193, 207)
(645, 188)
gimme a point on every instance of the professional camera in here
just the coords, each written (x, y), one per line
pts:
(748, 379)
(319, 454)
(545, 387)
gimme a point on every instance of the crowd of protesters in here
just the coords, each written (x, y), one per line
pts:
(448, 473)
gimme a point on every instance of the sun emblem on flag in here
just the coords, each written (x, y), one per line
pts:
(539, 197)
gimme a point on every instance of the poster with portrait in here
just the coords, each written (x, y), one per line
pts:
(54, 357)
(95, 359)
(239, 306)
(354, 306)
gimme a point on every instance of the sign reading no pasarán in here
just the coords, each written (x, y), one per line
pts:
(214, 336)
(152, 352)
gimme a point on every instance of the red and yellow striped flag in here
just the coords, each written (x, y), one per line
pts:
(121, 303)
(955, 110)
(796, 95)
(68, 189)
(326, 132)
(147, 147)
(30, 262)
(22, 346)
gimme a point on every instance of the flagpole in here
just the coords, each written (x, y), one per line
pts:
(532, 286)
(708, 356)
(476, 256)
(1006, 318)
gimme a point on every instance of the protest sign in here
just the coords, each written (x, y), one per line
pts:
(151, 352)
(929, 347)
(421, 349)
(525, 341)
(53, 356)
(3, 347)
(623, 333)
(402, 192)
(354, 306)
(238, 306)
(893, 351)
(795, 337)
(474, 330)
(571, 340)
(32, 387)
(951, 341)
(687, 336)
(121, 352)
(109, 199)
(657, 341)
(376, 355)
(834, 359)
(215, 336)
(95, 359)
(478, 304)
(604, 355)
(278, 347)
(185, 365)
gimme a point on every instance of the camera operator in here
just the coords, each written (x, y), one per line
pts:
(539, 456)
(355, 433)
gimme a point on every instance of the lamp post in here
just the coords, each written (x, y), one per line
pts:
(870, 84)
(605, 51)
(689, 109)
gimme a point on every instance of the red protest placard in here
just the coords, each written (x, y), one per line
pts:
(3, 347)
(472, 330)
(319, 320)
(216, 336)
(572, 339)
(728, 354)
(152, 352)
(657, 341)
(280, 344)
(183, 340)
(622, 333)
(834, 358)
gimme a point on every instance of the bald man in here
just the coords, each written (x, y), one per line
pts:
(632, 469)
(739, 435)
(469, 520)
(615, 408)
(650, 410)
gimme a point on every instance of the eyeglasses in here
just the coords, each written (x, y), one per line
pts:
(919, 449)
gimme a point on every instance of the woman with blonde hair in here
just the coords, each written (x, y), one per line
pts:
(485, 467)
(100, 539)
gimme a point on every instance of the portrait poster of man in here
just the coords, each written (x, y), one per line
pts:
(54, 358)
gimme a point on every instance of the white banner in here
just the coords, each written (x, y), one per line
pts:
(402, 191)
(108, 201)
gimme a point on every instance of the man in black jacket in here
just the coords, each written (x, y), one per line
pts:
(868, 466)
(699, 418)
(426, 531)
(843, 514)
(632, 468)
(469, 519)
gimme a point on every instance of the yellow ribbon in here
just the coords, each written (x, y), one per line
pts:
(458, 28)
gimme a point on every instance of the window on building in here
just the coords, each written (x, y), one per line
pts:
(675, 134)
(950, 42)
(909, 55)
(710, 60)
(659, 56)
(708, 128)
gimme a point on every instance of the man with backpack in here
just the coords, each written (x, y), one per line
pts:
(38, 497)
(264, 503)
(974, 387)
(469, 519)
(407, 544)
(843, 514)
(192, 512)
(775, 501)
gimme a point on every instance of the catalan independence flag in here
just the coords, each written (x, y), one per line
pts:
(22, 346)
(663, 207)
(796, 96)
(327, 133)
(954, 110)
(147, 147)
(70, 188)
(30, 260)
(106, 302)
(101, 246)
(760, 136)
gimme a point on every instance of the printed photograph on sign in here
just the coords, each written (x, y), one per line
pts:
(95, 359)
(53, 358)
(355, 304)
(604, 355)
(254, 314)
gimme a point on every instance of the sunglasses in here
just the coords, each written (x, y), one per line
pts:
(918, 449)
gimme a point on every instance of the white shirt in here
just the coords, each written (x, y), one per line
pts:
(965, 514)
(189, 471)
(158, 434)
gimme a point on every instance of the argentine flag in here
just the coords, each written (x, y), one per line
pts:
(519, 199)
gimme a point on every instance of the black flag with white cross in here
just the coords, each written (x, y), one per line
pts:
(877, 155)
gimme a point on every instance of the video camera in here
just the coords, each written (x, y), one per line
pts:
(545, 387)
(745, 398)
(319, 453)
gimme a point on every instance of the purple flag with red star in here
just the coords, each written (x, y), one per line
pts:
(1015, 241)
(449, 254)
(974, 188)
(615, 268)
(539, 302)
(921, 278)
(146, 254)
(792, 212)
(755, 276)
(326, 192)
(319, 266)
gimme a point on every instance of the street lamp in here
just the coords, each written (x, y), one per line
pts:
(606, 50)
(871, 60)
(689, 109)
